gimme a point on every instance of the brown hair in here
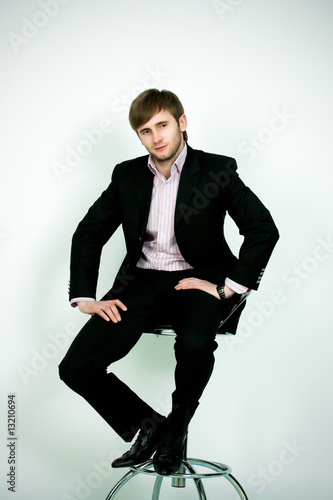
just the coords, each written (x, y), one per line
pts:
(152, 101)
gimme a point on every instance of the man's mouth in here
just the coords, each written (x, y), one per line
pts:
(160, 148)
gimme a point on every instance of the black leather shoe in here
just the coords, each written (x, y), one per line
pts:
(170, 451)
(143, 448)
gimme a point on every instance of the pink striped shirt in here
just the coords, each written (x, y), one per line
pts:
(160, 249)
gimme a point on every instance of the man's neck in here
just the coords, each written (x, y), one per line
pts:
(164, 167)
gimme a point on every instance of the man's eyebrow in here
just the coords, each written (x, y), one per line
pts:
(156, 124)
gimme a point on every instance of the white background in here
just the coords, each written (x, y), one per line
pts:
(69, 67)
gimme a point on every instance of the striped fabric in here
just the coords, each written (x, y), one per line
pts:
(236, 287)
(160, 249)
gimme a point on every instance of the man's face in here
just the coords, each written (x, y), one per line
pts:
(162, 136)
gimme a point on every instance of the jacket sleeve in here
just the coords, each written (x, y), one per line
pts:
(95, 229)
(260, 233)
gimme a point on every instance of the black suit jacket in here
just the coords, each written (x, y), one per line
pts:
(209, 188)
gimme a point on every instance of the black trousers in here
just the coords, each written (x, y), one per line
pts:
(150, 298)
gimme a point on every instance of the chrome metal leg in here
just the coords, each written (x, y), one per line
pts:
(217, 467)
(121, 483)
(157, 488)
(198, 482)
(237, 486)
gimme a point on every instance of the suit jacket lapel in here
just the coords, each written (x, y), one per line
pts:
(142, 189)
(189, 178)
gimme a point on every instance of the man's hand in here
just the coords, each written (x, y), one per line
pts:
(205, 286)
(106, 309)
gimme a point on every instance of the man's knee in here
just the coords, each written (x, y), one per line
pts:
(64, 371)
(70, 372)
(194, 347)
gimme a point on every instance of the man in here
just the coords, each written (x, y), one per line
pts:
(178, 268)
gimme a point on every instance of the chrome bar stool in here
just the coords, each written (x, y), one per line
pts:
(187, 470)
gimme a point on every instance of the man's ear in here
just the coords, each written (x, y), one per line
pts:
(182, 123)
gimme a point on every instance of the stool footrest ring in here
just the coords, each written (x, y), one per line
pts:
(217, 470)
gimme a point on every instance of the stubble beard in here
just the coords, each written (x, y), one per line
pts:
(172, 156)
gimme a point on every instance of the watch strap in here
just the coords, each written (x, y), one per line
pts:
(220, 291)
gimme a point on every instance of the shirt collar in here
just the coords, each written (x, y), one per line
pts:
(178, 164)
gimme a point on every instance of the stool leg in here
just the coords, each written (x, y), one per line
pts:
(121, 483)
(157, 487)
(217, 467)
(237, 486)
(198, 482)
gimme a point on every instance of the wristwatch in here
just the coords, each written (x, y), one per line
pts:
(220, 291)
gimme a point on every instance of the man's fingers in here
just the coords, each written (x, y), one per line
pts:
(106, 309)
(115, 313)
(116, 302)
(109, 313)
(189, 283)
(121, 305)
(102, 314)
(197, 284)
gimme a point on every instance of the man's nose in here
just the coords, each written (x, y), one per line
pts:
(156, 137)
